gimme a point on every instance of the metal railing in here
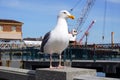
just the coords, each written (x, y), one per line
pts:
(70, 53)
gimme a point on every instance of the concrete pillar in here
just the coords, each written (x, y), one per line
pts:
(67, 73)
(21, 64)
(8, 63)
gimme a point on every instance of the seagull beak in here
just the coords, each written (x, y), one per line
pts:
(71, 16)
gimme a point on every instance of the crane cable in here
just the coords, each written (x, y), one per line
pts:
(71, 10)
(75, 5)
(104, 20)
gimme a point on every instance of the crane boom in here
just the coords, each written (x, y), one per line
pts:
(87, 31)
(84, 14)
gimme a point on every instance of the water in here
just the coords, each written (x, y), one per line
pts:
(100, 74)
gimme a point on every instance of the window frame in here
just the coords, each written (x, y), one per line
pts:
(1, 28)
(13, 28)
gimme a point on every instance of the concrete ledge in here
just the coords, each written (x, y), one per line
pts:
(87, 77)
(62, 74)
(16, 73)
(67, 73)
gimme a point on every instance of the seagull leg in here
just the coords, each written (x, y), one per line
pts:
(60, 66)
(51, 61)
(51, 67)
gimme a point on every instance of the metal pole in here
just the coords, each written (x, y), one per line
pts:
(112, 39)
(0, 58)
(0, 55)
(94, 56)
(64, 55)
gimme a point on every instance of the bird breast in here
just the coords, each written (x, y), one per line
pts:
(58, 42)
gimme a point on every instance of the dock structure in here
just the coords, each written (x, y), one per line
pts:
(102, 58)
(110, 68)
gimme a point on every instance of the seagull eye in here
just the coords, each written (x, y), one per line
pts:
(64, 12)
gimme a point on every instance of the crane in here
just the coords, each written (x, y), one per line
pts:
(86, 32)
(83, 15)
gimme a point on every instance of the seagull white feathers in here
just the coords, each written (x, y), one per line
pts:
(57, 40)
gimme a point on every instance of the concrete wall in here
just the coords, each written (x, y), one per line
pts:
(13, 63)
(16, 73)
(66, 73)
(84, 77)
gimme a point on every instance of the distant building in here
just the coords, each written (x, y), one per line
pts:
(10, 34)
(10, 29)
(33, 42)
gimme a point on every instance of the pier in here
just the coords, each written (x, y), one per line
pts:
(111, 68)
(103, 58)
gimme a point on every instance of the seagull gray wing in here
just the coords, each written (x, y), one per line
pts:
(44, 41)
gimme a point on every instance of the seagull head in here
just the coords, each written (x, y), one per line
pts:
(65, 14)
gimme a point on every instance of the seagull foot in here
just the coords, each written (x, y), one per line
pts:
(51, 67)
(60, 67)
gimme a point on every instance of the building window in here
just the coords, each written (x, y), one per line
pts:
(1, 28)
(13, 28)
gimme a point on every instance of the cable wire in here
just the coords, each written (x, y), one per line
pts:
(75, 5)
(104, 21)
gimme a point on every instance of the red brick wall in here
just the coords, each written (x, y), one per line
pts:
(8, 28)
(18, 29)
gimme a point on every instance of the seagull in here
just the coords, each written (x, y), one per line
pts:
(57, 40)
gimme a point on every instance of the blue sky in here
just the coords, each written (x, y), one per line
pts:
(39, 17)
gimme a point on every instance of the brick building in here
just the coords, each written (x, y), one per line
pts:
(10, 33)
(10, 29)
